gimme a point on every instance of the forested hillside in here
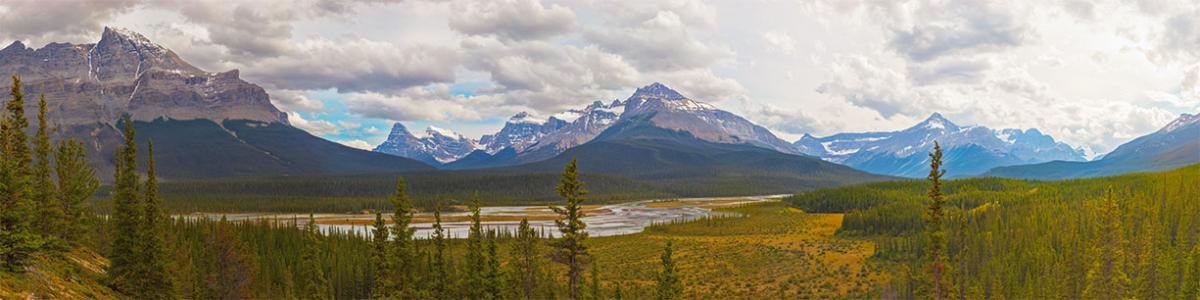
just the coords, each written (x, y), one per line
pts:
(1130, 236)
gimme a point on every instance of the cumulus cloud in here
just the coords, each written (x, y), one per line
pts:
(357, 65)
(434, 103)
(511, 19)
(359, 144)
(296, 101)
(957, 27)
(40, 22)
(317, 127)
(779, 42)
(1180, 40)
(659, 37)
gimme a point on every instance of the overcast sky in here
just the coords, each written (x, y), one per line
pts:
(1091, 73)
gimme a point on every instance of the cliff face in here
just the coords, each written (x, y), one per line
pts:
(124, 72)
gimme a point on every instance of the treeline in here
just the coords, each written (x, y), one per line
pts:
(1131, 236)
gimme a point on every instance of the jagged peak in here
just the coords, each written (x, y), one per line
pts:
(398, 130)
(16, 45)
(525, 117)
(936, 121)
(1183, 121)
(657, 90)
(117, 34)
(434, 130)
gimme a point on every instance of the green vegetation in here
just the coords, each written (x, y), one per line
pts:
(1030, 239)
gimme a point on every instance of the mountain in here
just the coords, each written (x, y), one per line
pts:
(88, 87)
(968, 150)
(639, 148)
(584, 124)
(436, 147)
(1175, 145)
(520, 132)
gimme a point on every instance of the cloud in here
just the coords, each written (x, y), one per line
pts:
(296, 101)
(316, 127)
(957, 27)
(1180, 40)
(359, 144)
(659, 38)
(779, 42)
(41, 22)
(511, 19)
(357, 65)
(433, 103)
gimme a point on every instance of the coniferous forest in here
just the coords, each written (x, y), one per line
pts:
(1129, 236)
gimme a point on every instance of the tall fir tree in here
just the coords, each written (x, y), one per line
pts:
(938, 285)
(524, 260)
(404, 256)
(570, 248)
(596, 281)
(76, 182)
(475, 257)
(124, 254)
(313, 284)
(1106, 279)
(380, 259)
(156, 280)
(669, 285)
(51, 219)
(17, 237)
(233, 275)
(493, 281)
(440, 286)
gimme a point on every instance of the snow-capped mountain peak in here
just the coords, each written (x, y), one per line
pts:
(657, 90)
(525, 117)
(936, 122)
(1182, 121)
(436, 131)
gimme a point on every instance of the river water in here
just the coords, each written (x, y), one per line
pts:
(605, 220)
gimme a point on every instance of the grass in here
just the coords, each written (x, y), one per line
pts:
(71, 275)
(770, 250)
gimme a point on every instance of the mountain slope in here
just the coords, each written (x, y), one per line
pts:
(970, 150)
(1173, 146)
(214, 124)
(636, 147)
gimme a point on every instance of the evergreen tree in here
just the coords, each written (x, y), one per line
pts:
(313, 283)
(51, 219)
(669, 286)
(939, 286)
(1107, 279)
(493, 281)
(124, 254)
(403, 254)
(525, 260)
(596, 281)
(156, 282)
(570, 248)
(76, 182)
(475, 258)
(379, 259)
(438, 264)
(17, 238)
(233, 276)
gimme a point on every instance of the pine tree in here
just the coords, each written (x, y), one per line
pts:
(570, 248)
(403, 254)
(156, 282)
(76, 183)
(233, 275)
(669, 286)
(525, 260)
(124, 255)
(475, 258)
(438, 264)
(51, 219)
(313, 283)
(596, 281)
(1107, 279)
(493, 281)
(939, 286)
(17, 238)
(379, 259)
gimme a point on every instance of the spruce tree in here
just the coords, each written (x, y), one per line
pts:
(669, 286)
(379, 258)
(124, 254)
(156, 280)
(76, 183)
(938, 285)
(17, 238)
(233, 276)
(475, 258)
(313, 283)
(493, 281)
(525, 259)
(596, 281)
(403, 256)
(1106, 279)
(51, 219)
(570, 248)
(438, 264)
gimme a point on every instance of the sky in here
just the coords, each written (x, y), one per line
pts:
(1093, 74)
